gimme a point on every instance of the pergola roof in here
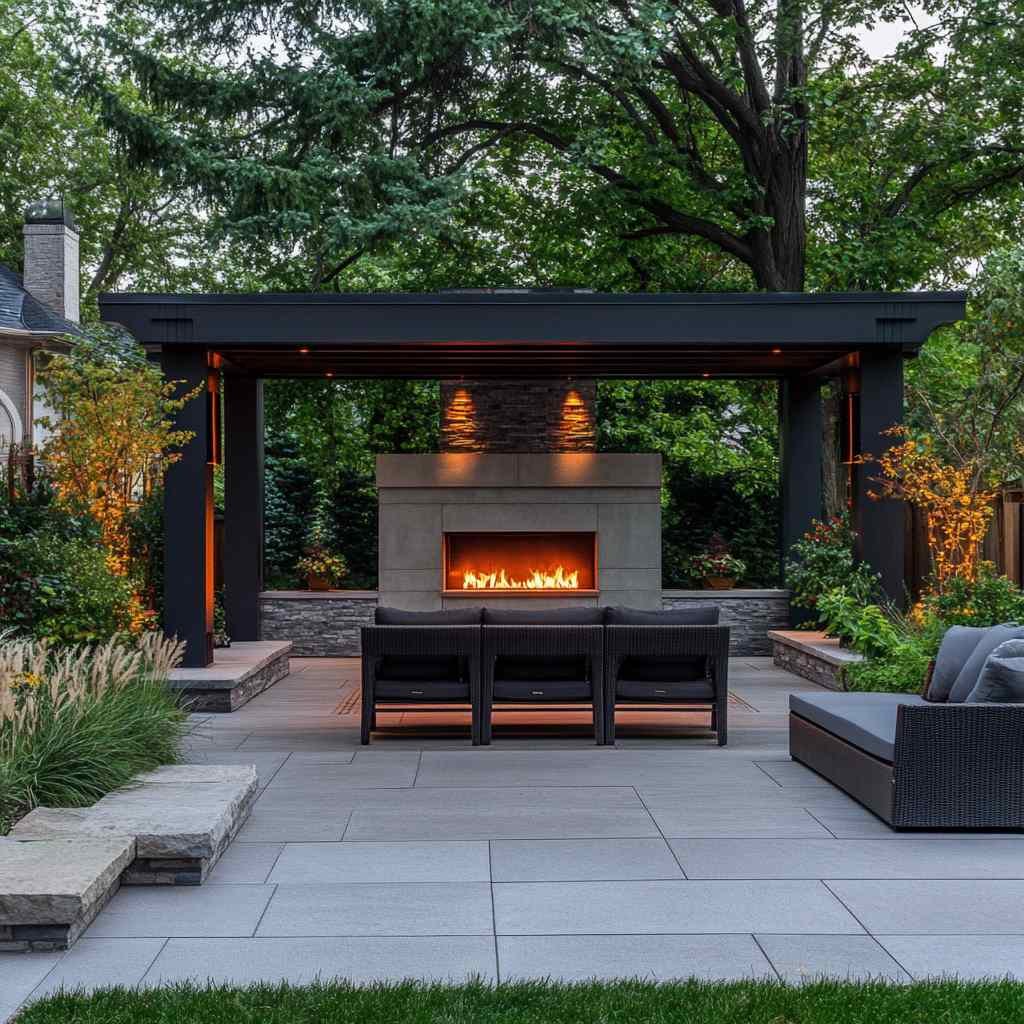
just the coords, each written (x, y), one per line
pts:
(525, 334)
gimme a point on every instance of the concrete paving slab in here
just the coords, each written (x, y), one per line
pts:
(100, 963)
(20, 973)
(935, 907)
(867, 858)
(245, 864)
(684, 907)
(648, 957)
(969, 957)
(302, 960)
(324, 863)
(582, 860)
(805, 958)
(380, 909)
(375, 774)
(156, 911)
(500, 822)
(767, 819)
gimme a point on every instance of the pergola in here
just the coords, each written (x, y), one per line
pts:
(798, 339)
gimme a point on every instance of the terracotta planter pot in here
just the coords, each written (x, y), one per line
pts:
(719, 582)
(315, 582)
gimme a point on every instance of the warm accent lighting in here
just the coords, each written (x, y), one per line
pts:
(329, 373)
(304, 351)
(776, 351)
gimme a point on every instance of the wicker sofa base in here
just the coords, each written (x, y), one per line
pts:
(867, 779)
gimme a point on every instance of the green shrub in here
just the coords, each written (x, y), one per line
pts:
(823, 561)
(55, 582)
(986, 601)
(78, 722)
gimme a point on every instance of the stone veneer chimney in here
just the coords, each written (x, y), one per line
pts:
(519, 416)
(51, 257)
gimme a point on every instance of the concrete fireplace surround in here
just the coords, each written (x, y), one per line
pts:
(618, 496)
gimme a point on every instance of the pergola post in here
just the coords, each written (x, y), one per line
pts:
(879, 524)
(243, 505)
(188, 509)
(800, 443)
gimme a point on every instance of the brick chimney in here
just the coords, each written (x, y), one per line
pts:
(51, 257)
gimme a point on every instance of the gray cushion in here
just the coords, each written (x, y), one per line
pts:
(695, 615)
(440, 691)
(544, 616)
(970, 673)
(385, 616)
(644, 690)
(1002, 679)
(539, 691)
(957, 646)
(867, 720)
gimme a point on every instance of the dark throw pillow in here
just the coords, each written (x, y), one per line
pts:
(696, 615)
(442, 617)
(1002, 679)
(971, 672)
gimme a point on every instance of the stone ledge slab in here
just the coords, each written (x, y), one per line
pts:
(179, 828)
(813, 656)
(52, 889)
(238, 674)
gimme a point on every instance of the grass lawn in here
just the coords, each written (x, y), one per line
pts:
(747, 1002)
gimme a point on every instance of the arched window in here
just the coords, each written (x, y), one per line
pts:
(10, 423)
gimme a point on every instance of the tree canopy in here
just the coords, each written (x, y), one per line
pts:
(759, 134)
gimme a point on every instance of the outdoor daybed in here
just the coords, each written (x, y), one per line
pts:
(952, 758)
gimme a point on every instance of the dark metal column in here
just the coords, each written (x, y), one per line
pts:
(188, 510)
(800, 450)
(243, 505)
(880, 525)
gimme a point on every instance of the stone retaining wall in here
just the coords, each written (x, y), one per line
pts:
(750, 614)
(813, 656)
(322, 625)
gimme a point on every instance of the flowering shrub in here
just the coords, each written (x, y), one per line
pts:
(823, 560)
(717, 560)
(77, 722)
(956, 508)
(320, 562)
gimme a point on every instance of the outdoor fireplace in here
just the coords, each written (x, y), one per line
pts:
(520, 564)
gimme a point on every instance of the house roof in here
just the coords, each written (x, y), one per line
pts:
(20, 311)
(520, 333)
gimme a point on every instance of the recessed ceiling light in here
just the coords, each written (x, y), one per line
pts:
(776, 351)
(329, 373)
(705, 375)
(303, 350)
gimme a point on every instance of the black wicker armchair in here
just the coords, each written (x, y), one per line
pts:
(653, 663)
(425, 664)
(550, 659)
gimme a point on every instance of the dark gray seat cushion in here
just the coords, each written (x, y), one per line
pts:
(542, 690)
(957, 646)
(971, 672)
(641, 689)
(1002, 679)
(696, 615)
(867, 720)
(544, 616)
(385, 616)
(439, 690)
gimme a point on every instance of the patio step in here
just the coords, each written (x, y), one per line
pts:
(180, 818)
(51, 889)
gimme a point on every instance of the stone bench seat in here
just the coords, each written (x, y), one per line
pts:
(59, 866)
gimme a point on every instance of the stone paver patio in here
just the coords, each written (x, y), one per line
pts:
(544, 855)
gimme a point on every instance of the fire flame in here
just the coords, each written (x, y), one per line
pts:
(560, 579)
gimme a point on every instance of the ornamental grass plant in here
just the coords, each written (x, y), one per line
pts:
(77, 722)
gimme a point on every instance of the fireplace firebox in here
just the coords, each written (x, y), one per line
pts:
(520, 564)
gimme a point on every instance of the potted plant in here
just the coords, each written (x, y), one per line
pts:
(321, 565)
(716, 566)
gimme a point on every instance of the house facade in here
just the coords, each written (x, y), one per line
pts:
(39, 310)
